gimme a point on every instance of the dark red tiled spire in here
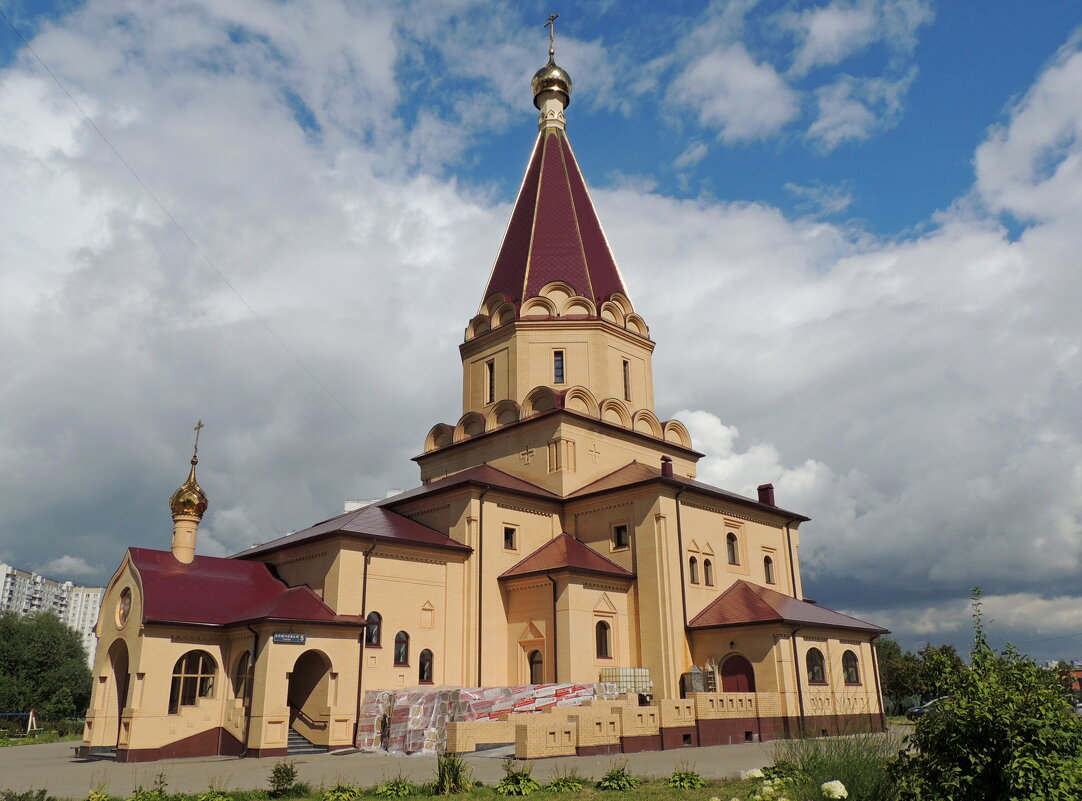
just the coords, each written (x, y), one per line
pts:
(554, 233)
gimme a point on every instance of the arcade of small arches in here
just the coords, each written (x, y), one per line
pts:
(557, 300)
(577, 399)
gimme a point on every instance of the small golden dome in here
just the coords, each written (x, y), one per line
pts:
(189, 498)
(551, 78)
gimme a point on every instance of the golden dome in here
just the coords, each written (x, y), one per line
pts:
(189, 498)
(551, 78)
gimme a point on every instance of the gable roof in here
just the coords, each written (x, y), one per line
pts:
(554, 233)
(212, 591)
(368, 521)
(482, 475)
(566, 553)
(745, 604)
(637, 473)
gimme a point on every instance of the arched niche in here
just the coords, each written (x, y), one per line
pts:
(503, 413)
(580, 399)
(491, 303)
(646, 422)
(622, 302)
(578, 306)
(612, 313)
(558, 292)
(469, 425)
(539, 399)
(505, 313)
(614, 411)
(478, 325)
(675, 432)
(439, 436)
(636, 325)
(538, 307)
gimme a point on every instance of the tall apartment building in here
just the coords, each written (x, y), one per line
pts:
(25, 593)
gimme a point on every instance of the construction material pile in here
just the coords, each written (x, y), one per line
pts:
(415, 720)
(628, 680)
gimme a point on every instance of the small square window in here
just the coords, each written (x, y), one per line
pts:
(619, 536)
(509, 537)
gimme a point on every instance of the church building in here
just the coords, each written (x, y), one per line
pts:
(558, 532)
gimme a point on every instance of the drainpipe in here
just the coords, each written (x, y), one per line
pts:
(480, 577)
(878, 688)
(796, 672)
(555, 640)
(248, 717)
(789, 547)
(680, 544)
(364, 636)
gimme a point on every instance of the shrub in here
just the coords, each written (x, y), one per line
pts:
(397, 787)
(452, 775)
(517, 780)
(1004, 731)
(569, 782)
(861, 762)
(684, 778)
(618, 779)
(157, 792)
(283, 779)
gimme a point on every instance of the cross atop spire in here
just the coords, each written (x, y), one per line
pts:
(551, 25)
(195, 453)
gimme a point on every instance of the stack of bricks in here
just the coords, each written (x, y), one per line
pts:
(599, 730)
(545, 736)
(641, 726)
(467, 735)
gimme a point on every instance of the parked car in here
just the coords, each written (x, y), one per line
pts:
(915, 712)
(1078, 709)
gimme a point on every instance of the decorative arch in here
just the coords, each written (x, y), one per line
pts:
(612, 313)
(477, 326)
(578, 305)
(676, 432)
(558, 292)
(505, 313)
(646, 422)
(489, 304)
(614, 411)
(580, 399)
(439, 436)
(539, 399)
(469, 425)
(538, 307)
(622, 301)
(636, 325)
(503, 413)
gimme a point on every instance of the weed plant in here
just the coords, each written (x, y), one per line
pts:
(342, 792)
(517, 780)
(398, 787)
(859, 761)
(684, 778)
(565, 782)
(453, 775)
(618, 778)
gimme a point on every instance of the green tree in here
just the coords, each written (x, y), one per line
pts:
(1005, 732)
(899, 671)
(933, 658)
(42, 666)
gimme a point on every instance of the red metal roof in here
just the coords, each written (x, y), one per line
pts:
(212, 591)
(745, 604)
(368, 521)
(638, 473)
(566, 553)
(482, 475)
(554, 233)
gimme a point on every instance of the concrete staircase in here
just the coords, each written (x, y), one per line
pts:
(299, 744)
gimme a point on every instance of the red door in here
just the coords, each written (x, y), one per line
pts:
(737, 675)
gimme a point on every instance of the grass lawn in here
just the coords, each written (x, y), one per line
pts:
(46, 737)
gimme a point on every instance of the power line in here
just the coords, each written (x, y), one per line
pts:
(206, 259)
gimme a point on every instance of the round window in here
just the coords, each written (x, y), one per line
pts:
(123, 608)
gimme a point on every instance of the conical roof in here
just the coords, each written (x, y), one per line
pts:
(554, 233)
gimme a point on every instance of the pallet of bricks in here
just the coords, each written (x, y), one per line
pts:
(415, 720)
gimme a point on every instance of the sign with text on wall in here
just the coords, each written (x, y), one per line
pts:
(290, 637)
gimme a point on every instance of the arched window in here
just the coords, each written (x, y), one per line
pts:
(693, 570)
(816, 673)
(373, 632)
(730, 548)
(424, 672)
(708, 572)
(193, 678)
(401, 648)
(768, 569)
(603, 637)
(537, 667)
(242, 678)
(851, 668)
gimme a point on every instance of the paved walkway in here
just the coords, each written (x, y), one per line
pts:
(52, 767)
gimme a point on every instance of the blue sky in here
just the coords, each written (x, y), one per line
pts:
(852, 226)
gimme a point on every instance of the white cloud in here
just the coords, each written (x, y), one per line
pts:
(731, 91)
(67, 568)
(823, 200)
(851, 109)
